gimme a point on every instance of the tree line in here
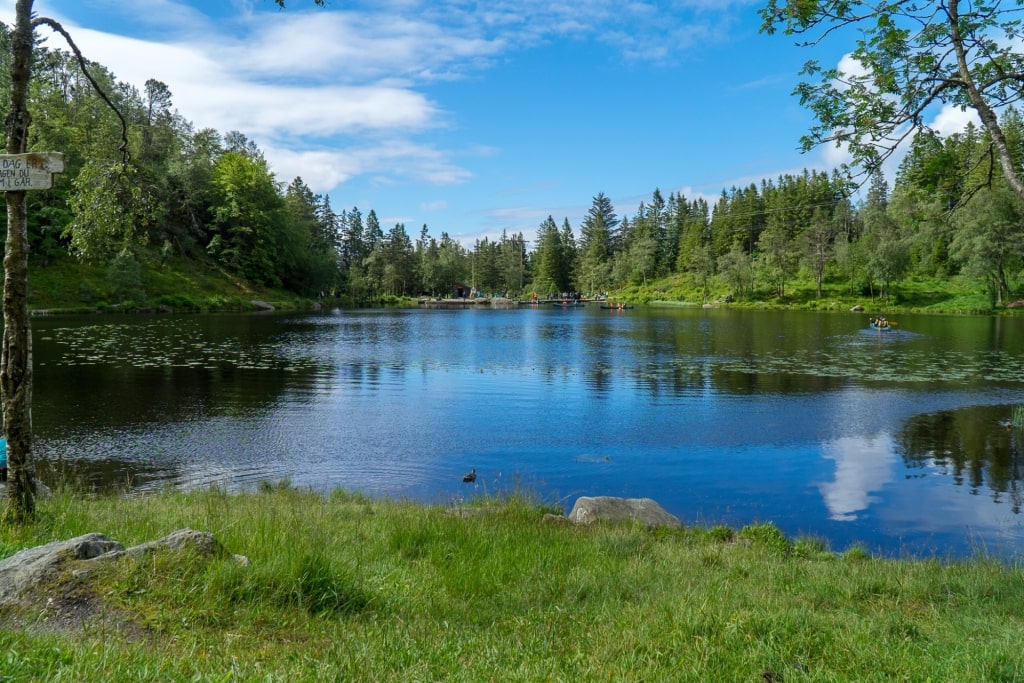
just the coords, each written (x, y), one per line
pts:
(197, 193)
(949, 213)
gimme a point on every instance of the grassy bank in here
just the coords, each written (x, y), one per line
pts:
(63, 284)
(347, 588)
(956, 295)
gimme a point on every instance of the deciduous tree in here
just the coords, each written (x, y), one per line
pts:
(908, 59)
(16, 352)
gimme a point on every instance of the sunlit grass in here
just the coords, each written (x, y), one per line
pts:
(348, 588)
(914, 294)
(66, 284)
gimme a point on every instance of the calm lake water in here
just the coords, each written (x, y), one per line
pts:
(891, 439)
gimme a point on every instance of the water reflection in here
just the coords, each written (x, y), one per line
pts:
(863, 467)
(972, 446)
(809, 420)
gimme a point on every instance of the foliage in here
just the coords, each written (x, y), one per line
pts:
(248, 218)
(909, 59)
(109, 211)
(988, 239)
(212, 197)
(125, 276)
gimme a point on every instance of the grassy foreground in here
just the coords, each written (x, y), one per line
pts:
(347, 588)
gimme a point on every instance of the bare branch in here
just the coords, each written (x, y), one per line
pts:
(55, 25)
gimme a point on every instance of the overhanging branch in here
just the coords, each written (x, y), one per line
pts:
(55, 25)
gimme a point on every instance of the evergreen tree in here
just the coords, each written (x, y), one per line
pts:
(307, 259)
(399, 259)
(374, 262)
(694, 220)
(596, 246)
(487, 275)
(658, 218)
(567, 267)
(548, 257)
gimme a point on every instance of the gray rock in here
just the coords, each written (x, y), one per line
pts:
(22, 571)
(201, 542)
(42, 490)
(588, 510)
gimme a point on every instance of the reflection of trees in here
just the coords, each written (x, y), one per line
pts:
(972, 445)
(103, 395)
(100, 474)
(672, 381)
(732, 381)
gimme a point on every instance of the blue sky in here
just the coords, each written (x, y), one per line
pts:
(474, 118)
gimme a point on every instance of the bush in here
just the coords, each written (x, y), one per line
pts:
(768, 537)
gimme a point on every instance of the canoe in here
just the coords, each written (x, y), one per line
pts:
(616, 308)
(884, 326)
(568, 304)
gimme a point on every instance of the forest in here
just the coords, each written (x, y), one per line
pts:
(210, 197)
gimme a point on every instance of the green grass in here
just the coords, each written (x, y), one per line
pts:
(924, 295)
(348, 588)
(66, 285)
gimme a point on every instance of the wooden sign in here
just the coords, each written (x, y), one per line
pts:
(32, 171)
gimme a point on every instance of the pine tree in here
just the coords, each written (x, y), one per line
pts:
(596, 246)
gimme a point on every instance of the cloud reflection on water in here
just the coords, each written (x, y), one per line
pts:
(864, 465)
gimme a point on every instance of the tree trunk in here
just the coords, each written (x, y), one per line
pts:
(989, 118)
(16, 355)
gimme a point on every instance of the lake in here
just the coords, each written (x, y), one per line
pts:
(893, 440)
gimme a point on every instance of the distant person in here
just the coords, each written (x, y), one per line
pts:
(3, 459)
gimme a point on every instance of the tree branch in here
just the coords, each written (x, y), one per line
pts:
(55, 25)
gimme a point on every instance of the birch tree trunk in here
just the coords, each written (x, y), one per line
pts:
(16, 354)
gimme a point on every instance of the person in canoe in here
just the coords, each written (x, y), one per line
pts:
(880, 322)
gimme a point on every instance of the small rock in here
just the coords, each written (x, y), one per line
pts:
(551, 518)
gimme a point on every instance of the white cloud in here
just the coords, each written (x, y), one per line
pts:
(353, 47)
(834, 156)
(850, 67)
(208, 90)
(325, 168)
(952, 119)
(333, 94)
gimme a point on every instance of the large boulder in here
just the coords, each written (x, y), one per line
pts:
(588, 510)
(22, 571)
